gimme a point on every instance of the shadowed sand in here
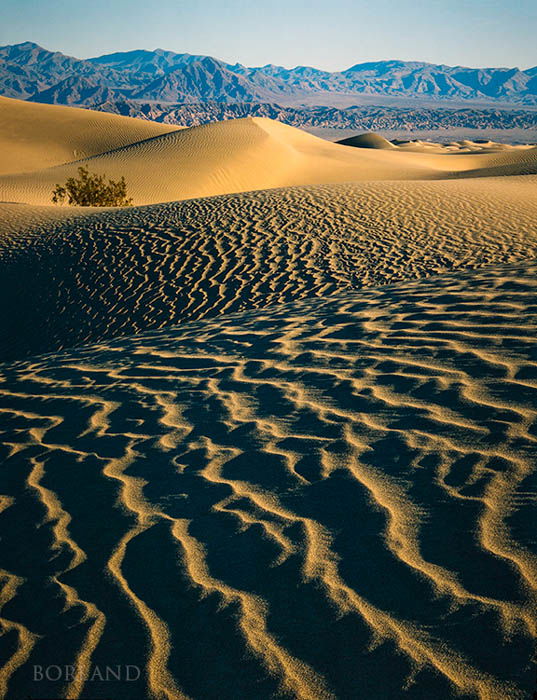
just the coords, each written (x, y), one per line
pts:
(123, 271)
(329, 499)
(369, 140)
(283, 441)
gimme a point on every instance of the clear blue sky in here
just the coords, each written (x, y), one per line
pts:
(329, 34)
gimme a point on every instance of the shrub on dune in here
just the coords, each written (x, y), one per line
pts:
(91, 190)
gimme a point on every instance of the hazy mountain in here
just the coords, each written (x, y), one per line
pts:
(209, 79)
(413, 78)
(27, 68)
(36, 60)
(28, 71)
(302, 78)
(15, 82)
(147, 63)
(77, 91)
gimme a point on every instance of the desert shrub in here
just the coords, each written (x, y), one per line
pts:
(91, 190)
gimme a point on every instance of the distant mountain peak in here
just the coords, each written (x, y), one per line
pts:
(26, 45)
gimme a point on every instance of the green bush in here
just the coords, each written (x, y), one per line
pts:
(90, 190)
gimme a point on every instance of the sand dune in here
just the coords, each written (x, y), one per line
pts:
(16, 219)
(328, 499)
(460, 147)
(369, 140)
(123, 271)
(267, 443)
(35, 136)
(373, 140)
(253, 154)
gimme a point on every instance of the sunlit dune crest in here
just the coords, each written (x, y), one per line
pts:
(35, 136)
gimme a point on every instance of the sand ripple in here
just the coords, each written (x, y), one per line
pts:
(329, 498)
(122, 272)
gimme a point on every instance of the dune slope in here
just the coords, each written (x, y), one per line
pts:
(254, 154)
(328, 499)
(123, 271)
(34, 136)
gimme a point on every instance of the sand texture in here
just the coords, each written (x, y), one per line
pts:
(272, 443)
(334, 498)
(122, 271)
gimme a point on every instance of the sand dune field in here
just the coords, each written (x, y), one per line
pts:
(272, 432)
(249, 154)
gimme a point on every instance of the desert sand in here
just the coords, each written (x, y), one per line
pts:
(122, 271)
(35, 136)
(272, 432)
(240, 155)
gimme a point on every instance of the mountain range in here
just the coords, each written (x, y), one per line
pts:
(30, 72)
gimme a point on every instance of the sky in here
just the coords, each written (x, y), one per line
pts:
(327, 34)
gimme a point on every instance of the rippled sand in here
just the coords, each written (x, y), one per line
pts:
(333, 498)
(274, 444)
(120, 272)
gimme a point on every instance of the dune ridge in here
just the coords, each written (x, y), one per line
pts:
(34, 136)
(363, 447)
(369, 140)
(255, 153)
